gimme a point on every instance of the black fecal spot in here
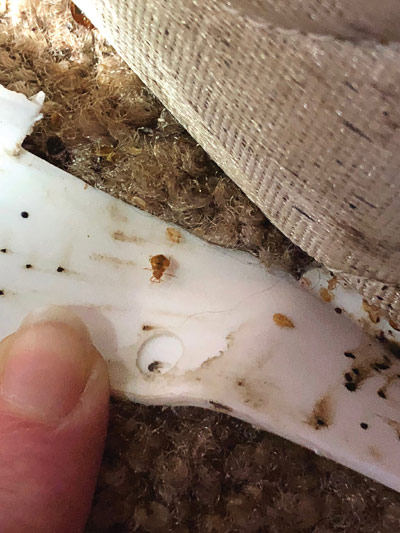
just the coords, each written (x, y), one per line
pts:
(348, 376)
(146, 327)
(384, 287)
(356, 371)
(1, 293)
(351, 386)
(28, 266)
(321, 422)
(352, 206)
(338, 310)
(3, 250)
(221, 406)
(155, 366)
(380, 298)
(60, 269)
(340, 163)
(349, 354)
(364, 425)
(381, 394)
(24, 214)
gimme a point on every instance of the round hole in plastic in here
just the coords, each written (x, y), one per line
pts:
(159, 354)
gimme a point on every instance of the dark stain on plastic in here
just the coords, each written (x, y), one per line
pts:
(375, 453)
(116, 261)
(391, 345)
(382, 366)
(220, 406)
(394, 425)
(121, 236)
(321, 417)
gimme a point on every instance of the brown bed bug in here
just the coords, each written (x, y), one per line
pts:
(80, 18)
(159, 264)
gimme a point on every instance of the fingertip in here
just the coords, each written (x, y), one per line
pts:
(54, 394)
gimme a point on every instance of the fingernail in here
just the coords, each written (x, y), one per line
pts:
(47, 365)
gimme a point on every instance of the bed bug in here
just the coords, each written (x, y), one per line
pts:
(80, 18)
(159, 264)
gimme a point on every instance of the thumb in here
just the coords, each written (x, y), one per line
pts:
(53, 418)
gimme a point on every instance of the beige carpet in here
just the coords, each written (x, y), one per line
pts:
(180, 470)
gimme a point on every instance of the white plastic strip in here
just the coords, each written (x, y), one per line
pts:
(17, 116)
(184, 322)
